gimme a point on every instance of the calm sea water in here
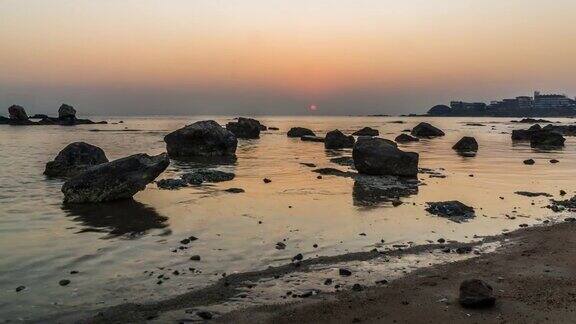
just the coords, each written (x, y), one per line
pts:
(115, 246)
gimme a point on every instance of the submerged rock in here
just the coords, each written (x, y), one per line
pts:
(119, 179)
(372, 190)
(245, 128)
(343, 160)
(566, 130)
(547, 139)
(234, 190)
(206, 175)
(405, 138)
(366, 131)
(171, 184)
(525, 134)
(337, 140)
(466, 144)
(377, 156)
(475, 293)
(532, 194)
(426, 130)
(75, 158)
(201, 139)
(334, 172)
(299, 132)
(454, 210)
(309, 138)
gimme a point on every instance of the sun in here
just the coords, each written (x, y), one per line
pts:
(313, 107)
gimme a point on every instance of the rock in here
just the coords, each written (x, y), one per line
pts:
(266, 180)
(39, 116)
(532, 194)
(475, 293)
(343, 160)
(18, 116)
(525, 134)
(366, 131)
(405, 138)
(554, 161)
(171, 184)
(426, 130)
(454, 210)
(310, 165)
(344, 272)
(4, 120)
(64, 282)
(245, 128)
(205, 315)
(466, 144)
(66, 112)
(463, 249)
(562, 192)
(299, 132)
(561, 205)
(377, 156)
(357, 287)
(337, 140)
(280, 246)
(566, 130)
(531, 121)
(201, 139)
(195, 258)
(20, 288)
(298, 257)
(440, 110)
(545, 139)
(371, 190)
(334, 172)
(207, 175)
(309, 138)
(74, 159)
(234, 190)
(119, 179)
(328, 281)
(273, 128)
(529, 162)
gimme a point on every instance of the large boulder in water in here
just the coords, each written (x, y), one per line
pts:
(74, 159)
(66, 112)
(405, 138)
(299, 132)
(546, 139)
(18, 115)
(466, 144)
(377, 156)
(245, 128)
(426, 130)
(201, 139)
(366, 131)
(119, 179)
(336, 140)
(525, 134)
(475, 293)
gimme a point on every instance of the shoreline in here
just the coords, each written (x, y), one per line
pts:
(374, 301)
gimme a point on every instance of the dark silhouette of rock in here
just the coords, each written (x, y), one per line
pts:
(366, 131)
(299, 132)
(273, 128)
(405, 138)
(547, 139)
(337, 140)
(245, 128)
(566, 130)
(440, 110)
(171, 184)
(454, 210)
(466, 144)
(201, 139)
(66, 112)
(475, 293)
(4, 120)
(377, 156)
(426, 130)
(119, 179)
(75, 158)
(309, 138)
(207, 175)
(525, 134)
(18, 116)
(372, 190)
(531, 121)
(529, 161)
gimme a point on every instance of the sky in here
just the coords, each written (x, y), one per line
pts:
(277, 57)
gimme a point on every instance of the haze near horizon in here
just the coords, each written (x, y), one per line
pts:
(280, 58)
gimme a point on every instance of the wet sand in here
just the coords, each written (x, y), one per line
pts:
(533, 275)
(534, 280)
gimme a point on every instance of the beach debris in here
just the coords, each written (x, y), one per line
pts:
(475, 293)
(119, 179)
(201, 139)
(310, 138)
(299, 132)
(426, 130)
(337, 140)
(377, 156)
(465, 145)
(245, 128)
(453, 210)
(529, 162)
(74, 159)
(366, 131)
(405, 138)
(532, 194)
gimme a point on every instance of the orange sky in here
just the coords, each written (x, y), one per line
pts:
(298, 50)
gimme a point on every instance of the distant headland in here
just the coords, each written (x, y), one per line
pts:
(540, 105)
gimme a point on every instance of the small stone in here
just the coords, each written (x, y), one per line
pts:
(562, 192)
(195, 258)
(475, 293)
(553, 161)
(20, 288)
(280, 246)
(298, 257)
(441, 240)
(381, 282)
(357, 287)
(205, 315)
(266, 180)
(328, 282)
(64, 282)
(464, 249)
(344, 272)
(529, 162)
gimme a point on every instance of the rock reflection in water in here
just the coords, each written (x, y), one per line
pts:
(373, 190)
(127, 218)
